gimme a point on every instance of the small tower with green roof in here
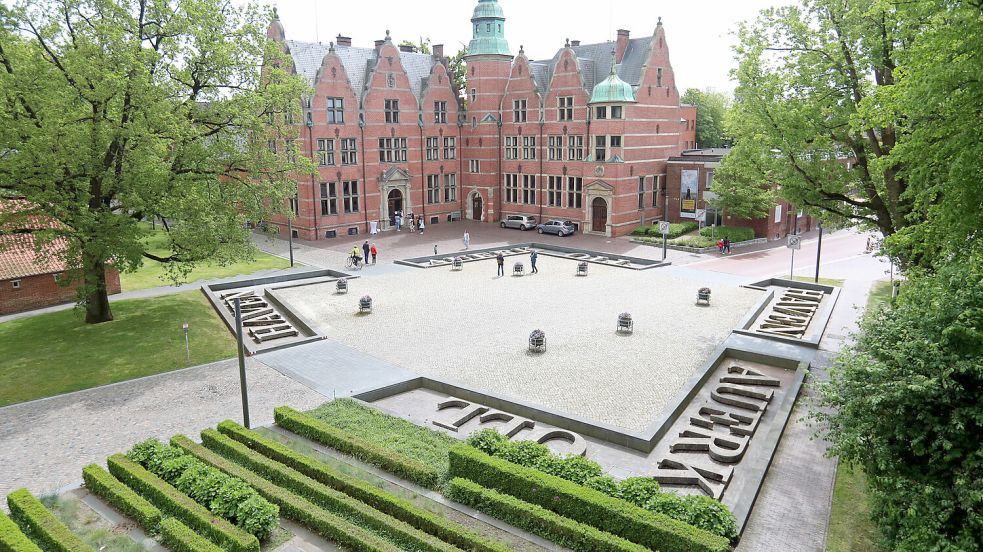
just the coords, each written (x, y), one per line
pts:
(488, 25)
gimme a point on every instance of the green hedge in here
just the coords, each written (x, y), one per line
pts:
(379, 499)
(292, 506)
(582, 504)
(12, 539)
(698, 242)
(735, 233)
(41, 525)
(174, 503)
(397, 464)
(318, 493)
(121, 497)
(676, 229)
(178, 537)
(536, 519)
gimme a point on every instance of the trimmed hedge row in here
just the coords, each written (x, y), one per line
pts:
(538, 520)
(178, 537)
(676, 229)
(174, 503)
(582, 504)
(379, 499)
(41, 525)
(121, 497)
(340, 440)
(735, 233)
(292, 506)
(400, 532)
(12, 539)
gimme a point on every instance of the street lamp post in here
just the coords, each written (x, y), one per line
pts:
(290, 239)
(819, 250)
(665, 215)
(187, 345)
(242, 364)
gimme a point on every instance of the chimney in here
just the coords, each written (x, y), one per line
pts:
(407, 48)
(574, 43)
(343, 40)
(438, 51)
(619, 53)
(378, 44)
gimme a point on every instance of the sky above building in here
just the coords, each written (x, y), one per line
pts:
(700, 34)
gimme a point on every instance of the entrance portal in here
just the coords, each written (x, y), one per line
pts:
(476, 207)
(395, 204)
(599, 215)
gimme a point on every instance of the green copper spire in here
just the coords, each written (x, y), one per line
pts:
(488, 25)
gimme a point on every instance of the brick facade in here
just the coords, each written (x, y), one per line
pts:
(500, 156)
(43, 290)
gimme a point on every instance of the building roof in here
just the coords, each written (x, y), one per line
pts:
(709, 155)
(19, 258)
(596, 60)
(358, 63)
(612, 90)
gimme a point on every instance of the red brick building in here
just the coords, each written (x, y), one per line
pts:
(29, 282)
(584, 135)
(689, 178)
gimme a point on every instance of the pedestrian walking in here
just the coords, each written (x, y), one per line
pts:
(399, 220)
(374, 252)
(365, 250)
(422, 226)
(412, 223)
(434, 247)
(726, 245)
(532, 261)
(467, 239)
(720, 245)
(501, 263)
(868, 244)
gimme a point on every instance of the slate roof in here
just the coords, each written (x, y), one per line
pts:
(358, 63)
(595, 63)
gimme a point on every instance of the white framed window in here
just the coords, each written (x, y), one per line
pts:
(433, 146)
(709, 178)
(554, 191)
(511, 147)
(336, 111)
(392, 111)
(325, 151)
(519, 111)
(450, 147)
(641, 193)
(474, 95)
(440, 113)
(450, 187)
(529, 189)
(511, 188)
(617, 112)
(576, 148)
(528, 147)
(575, 192)
(350, 188)
(433, 188)
(15, 284)
(656, 188)
(556, 148)
(778, 213)
(565, 108)
(329, 199)
(348, 154)
(474, 166)
(392, 150)
(600, 148)
(601, 112)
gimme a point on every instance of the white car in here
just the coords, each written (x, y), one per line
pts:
(522, 222)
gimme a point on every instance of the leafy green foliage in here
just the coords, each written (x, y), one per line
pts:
(735, 233)
(536, 519)
(179, 538)
(711, 111)
(116, 112)
(41, 525)
(226, 497)
(639, 490)
(361, 490)
(904, 406)
(676, 229)
(121, 497)
(12, 539)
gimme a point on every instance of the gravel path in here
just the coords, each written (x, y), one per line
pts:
(473, 327)
(44, 444)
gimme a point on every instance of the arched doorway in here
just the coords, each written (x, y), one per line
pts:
(476, 206)
(395, 204)
(599, 215)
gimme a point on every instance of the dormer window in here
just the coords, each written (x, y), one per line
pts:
(617, 112)
(601, 112)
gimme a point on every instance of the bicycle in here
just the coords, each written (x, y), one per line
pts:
(354, 262)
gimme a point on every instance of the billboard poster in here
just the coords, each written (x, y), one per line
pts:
(689, 185)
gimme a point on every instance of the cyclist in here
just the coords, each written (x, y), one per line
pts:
(356, 256)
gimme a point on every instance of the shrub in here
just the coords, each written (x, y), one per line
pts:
(404, 510)
(677, 229)
(12, 539)
(398, 464)
(292, 506)
(41, 525)
(536, 519)
(582, 504)
(697, 242)
(735, 233)
(318, 493)
(224, 496)
(177, 537)
(121, 497)
(174, 503)
(639, 490)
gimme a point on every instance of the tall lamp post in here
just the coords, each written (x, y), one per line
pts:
(819, 250)
(290, 235)
(665, 213)
(242, 364)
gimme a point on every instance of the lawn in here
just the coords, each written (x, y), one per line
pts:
(850, 528)
(823, 281)
(151, 272)
(880, 294)
(55, 353)
(395, 434)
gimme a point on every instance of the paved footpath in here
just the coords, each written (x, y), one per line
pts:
(45, 443)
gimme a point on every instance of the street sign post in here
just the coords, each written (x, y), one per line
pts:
(794, 242)
(664, 228)
(187, 346)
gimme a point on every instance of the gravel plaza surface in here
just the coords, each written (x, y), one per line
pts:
(472, 327)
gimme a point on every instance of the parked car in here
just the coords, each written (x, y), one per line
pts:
(522, 222)
(558, 227)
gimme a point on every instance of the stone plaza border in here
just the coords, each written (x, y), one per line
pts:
(561, 251)
(818, 324)
(270, 285)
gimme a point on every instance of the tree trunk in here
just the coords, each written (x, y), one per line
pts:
(96, 295)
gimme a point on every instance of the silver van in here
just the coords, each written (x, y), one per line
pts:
(522, 222)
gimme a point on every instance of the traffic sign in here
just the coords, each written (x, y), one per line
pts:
(795, 242)
(664, 227)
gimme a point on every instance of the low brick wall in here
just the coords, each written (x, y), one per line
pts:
(43, 290)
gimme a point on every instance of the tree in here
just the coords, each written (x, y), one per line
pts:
(120, 110)
(806, 114)
(423, 46)
(459, 69)
(711, 110)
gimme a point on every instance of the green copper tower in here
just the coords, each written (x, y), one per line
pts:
(488, 23)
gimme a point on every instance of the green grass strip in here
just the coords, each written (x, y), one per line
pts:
(41, 525)
(291, 505)
(657, 531)
(379, 499)
(328, 435)
(566, 532)
(119, 496)
(12, 539)
(178, 537)
(398, 531)
(175, 503)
